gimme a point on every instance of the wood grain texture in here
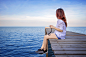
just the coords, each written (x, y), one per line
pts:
(70, 52)
(74, 45)
(70, 55)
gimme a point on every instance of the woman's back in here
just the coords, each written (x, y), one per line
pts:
(61, 25)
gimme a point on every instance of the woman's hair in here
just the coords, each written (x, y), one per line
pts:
(61, 15)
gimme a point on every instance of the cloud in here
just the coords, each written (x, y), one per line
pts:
(75, 15)
(25, 23)
(44, 14)
(28, 20)
(77, 23)
(47, 18)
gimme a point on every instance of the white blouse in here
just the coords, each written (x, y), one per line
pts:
(61, 25)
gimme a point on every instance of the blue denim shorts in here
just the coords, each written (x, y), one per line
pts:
(57, 37)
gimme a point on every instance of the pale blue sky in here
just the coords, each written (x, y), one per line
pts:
(41, 12)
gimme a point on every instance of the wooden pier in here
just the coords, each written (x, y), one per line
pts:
(74, 45)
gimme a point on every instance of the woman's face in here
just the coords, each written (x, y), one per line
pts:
(57, 17)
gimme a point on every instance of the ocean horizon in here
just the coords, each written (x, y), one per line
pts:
(24, 41)
(81, 30)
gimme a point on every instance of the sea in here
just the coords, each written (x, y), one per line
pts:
(24, 41)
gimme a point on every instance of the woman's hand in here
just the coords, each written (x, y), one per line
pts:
(51, 26)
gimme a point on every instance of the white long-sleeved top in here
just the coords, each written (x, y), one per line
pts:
(61, 25)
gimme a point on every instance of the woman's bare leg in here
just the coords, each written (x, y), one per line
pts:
(46, 37)
(42, 47)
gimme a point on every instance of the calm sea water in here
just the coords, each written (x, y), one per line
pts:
(81, 30)
(24, 41)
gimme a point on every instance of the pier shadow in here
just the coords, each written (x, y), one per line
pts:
(50, 52)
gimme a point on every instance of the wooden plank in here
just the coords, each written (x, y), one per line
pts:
(70, 52)
(69, 46)
(68, 49)
(75, 37)
(68, 42)
(73, 40)
(71, 33)
(70, 55)
(52, 39)
(75, 34)
(73, 45)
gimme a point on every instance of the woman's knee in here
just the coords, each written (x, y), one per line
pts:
(46, 36)
(52, 34)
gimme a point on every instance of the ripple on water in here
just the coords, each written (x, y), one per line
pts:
(21, 42)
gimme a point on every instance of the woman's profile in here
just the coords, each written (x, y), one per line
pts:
(60, 30)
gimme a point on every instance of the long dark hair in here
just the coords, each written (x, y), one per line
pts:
(61, 15)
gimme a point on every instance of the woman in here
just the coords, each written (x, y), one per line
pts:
(60, 30)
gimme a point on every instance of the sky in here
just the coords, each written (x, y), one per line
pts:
(41, 12)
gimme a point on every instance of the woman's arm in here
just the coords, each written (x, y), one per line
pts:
(51, 26)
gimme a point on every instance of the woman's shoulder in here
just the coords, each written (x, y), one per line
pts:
(60, 21)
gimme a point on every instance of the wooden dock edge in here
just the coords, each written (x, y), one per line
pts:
(71, 36)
